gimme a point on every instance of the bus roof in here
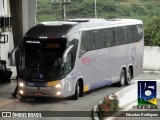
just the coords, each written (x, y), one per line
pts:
(90, 24)
(49, 30)
(59, 29)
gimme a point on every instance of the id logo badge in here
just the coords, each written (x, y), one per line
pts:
(147, 93)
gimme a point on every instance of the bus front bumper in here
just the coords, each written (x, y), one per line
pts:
(28, 91)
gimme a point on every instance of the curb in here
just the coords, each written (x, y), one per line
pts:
(124, 107)
(150, 73)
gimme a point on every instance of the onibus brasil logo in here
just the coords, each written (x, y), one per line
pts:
(147, 95)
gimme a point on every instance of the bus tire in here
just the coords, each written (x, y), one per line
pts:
(77, 91)
(129, 77)
(122, 78)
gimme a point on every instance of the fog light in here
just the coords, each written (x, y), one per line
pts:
(58, 86)
(21, 92)
(21, 84)
(58, 93)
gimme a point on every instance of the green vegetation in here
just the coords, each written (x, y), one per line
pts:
(107, 106)
(146, 10)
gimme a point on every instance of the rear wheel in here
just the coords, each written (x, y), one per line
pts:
(129, 77)
(77, 92)
(122, 78)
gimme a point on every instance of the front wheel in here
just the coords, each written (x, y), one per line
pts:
(77, 92)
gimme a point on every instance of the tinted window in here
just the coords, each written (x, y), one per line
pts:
(139, 32)
(125, 35)
(129, 34)
(98, 39)
(92, 40)
(85, 43)
(108, 37)
(102, 38)
(117, 36)
(74, 42)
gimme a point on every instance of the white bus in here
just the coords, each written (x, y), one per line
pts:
(68, 58)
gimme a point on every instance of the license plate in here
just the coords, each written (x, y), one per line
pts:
(38, 94)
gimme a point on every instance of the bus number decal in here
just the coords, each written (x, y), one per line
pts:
(30, 84)
(54, 45)
(86, 60)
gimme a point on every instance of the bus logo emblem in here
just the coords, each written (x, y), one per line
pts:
(40, 76)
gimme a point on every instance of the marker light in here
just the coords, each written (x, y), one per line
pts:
(58, 93)
(21, 84)
(21, 92)
(58, 85)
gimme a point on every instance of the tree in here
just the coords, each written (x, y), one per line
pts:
(152, 32)
(145, 10)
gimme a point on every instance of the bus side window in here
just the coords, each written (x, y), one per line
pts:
(139, 33)
(110, 37)
(85, 42)
(125, 35)
(104, 38)
(74, 42)
(117, 35)
(129, 34)
(92, 40)
(97, 37)
(113, 38)
(69, 64)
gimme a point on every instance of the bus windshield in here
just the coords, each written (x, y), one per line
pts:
(42, 61)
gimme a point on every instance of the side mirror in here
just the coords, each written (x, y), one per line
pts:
(13, 55)
(66, 53)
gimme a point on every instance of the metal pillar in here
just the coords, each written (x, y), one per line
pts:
(16, 20)
(23, 17)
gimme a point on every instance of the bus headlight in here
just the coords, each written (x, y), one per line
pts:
(58, 86)
(21, 92)
(21, 84)
(58, 93)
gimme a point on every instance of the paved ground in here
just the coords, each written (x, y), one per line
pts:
(85, 103)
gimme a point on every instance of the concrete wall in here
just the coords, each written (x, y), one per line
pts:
(6, 48)
(23, 13)
(151, 58)
(29, 9)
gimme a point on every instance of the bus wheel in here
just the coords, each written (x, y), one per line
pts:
(129, 77)
(77, 91)
(122, 78)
